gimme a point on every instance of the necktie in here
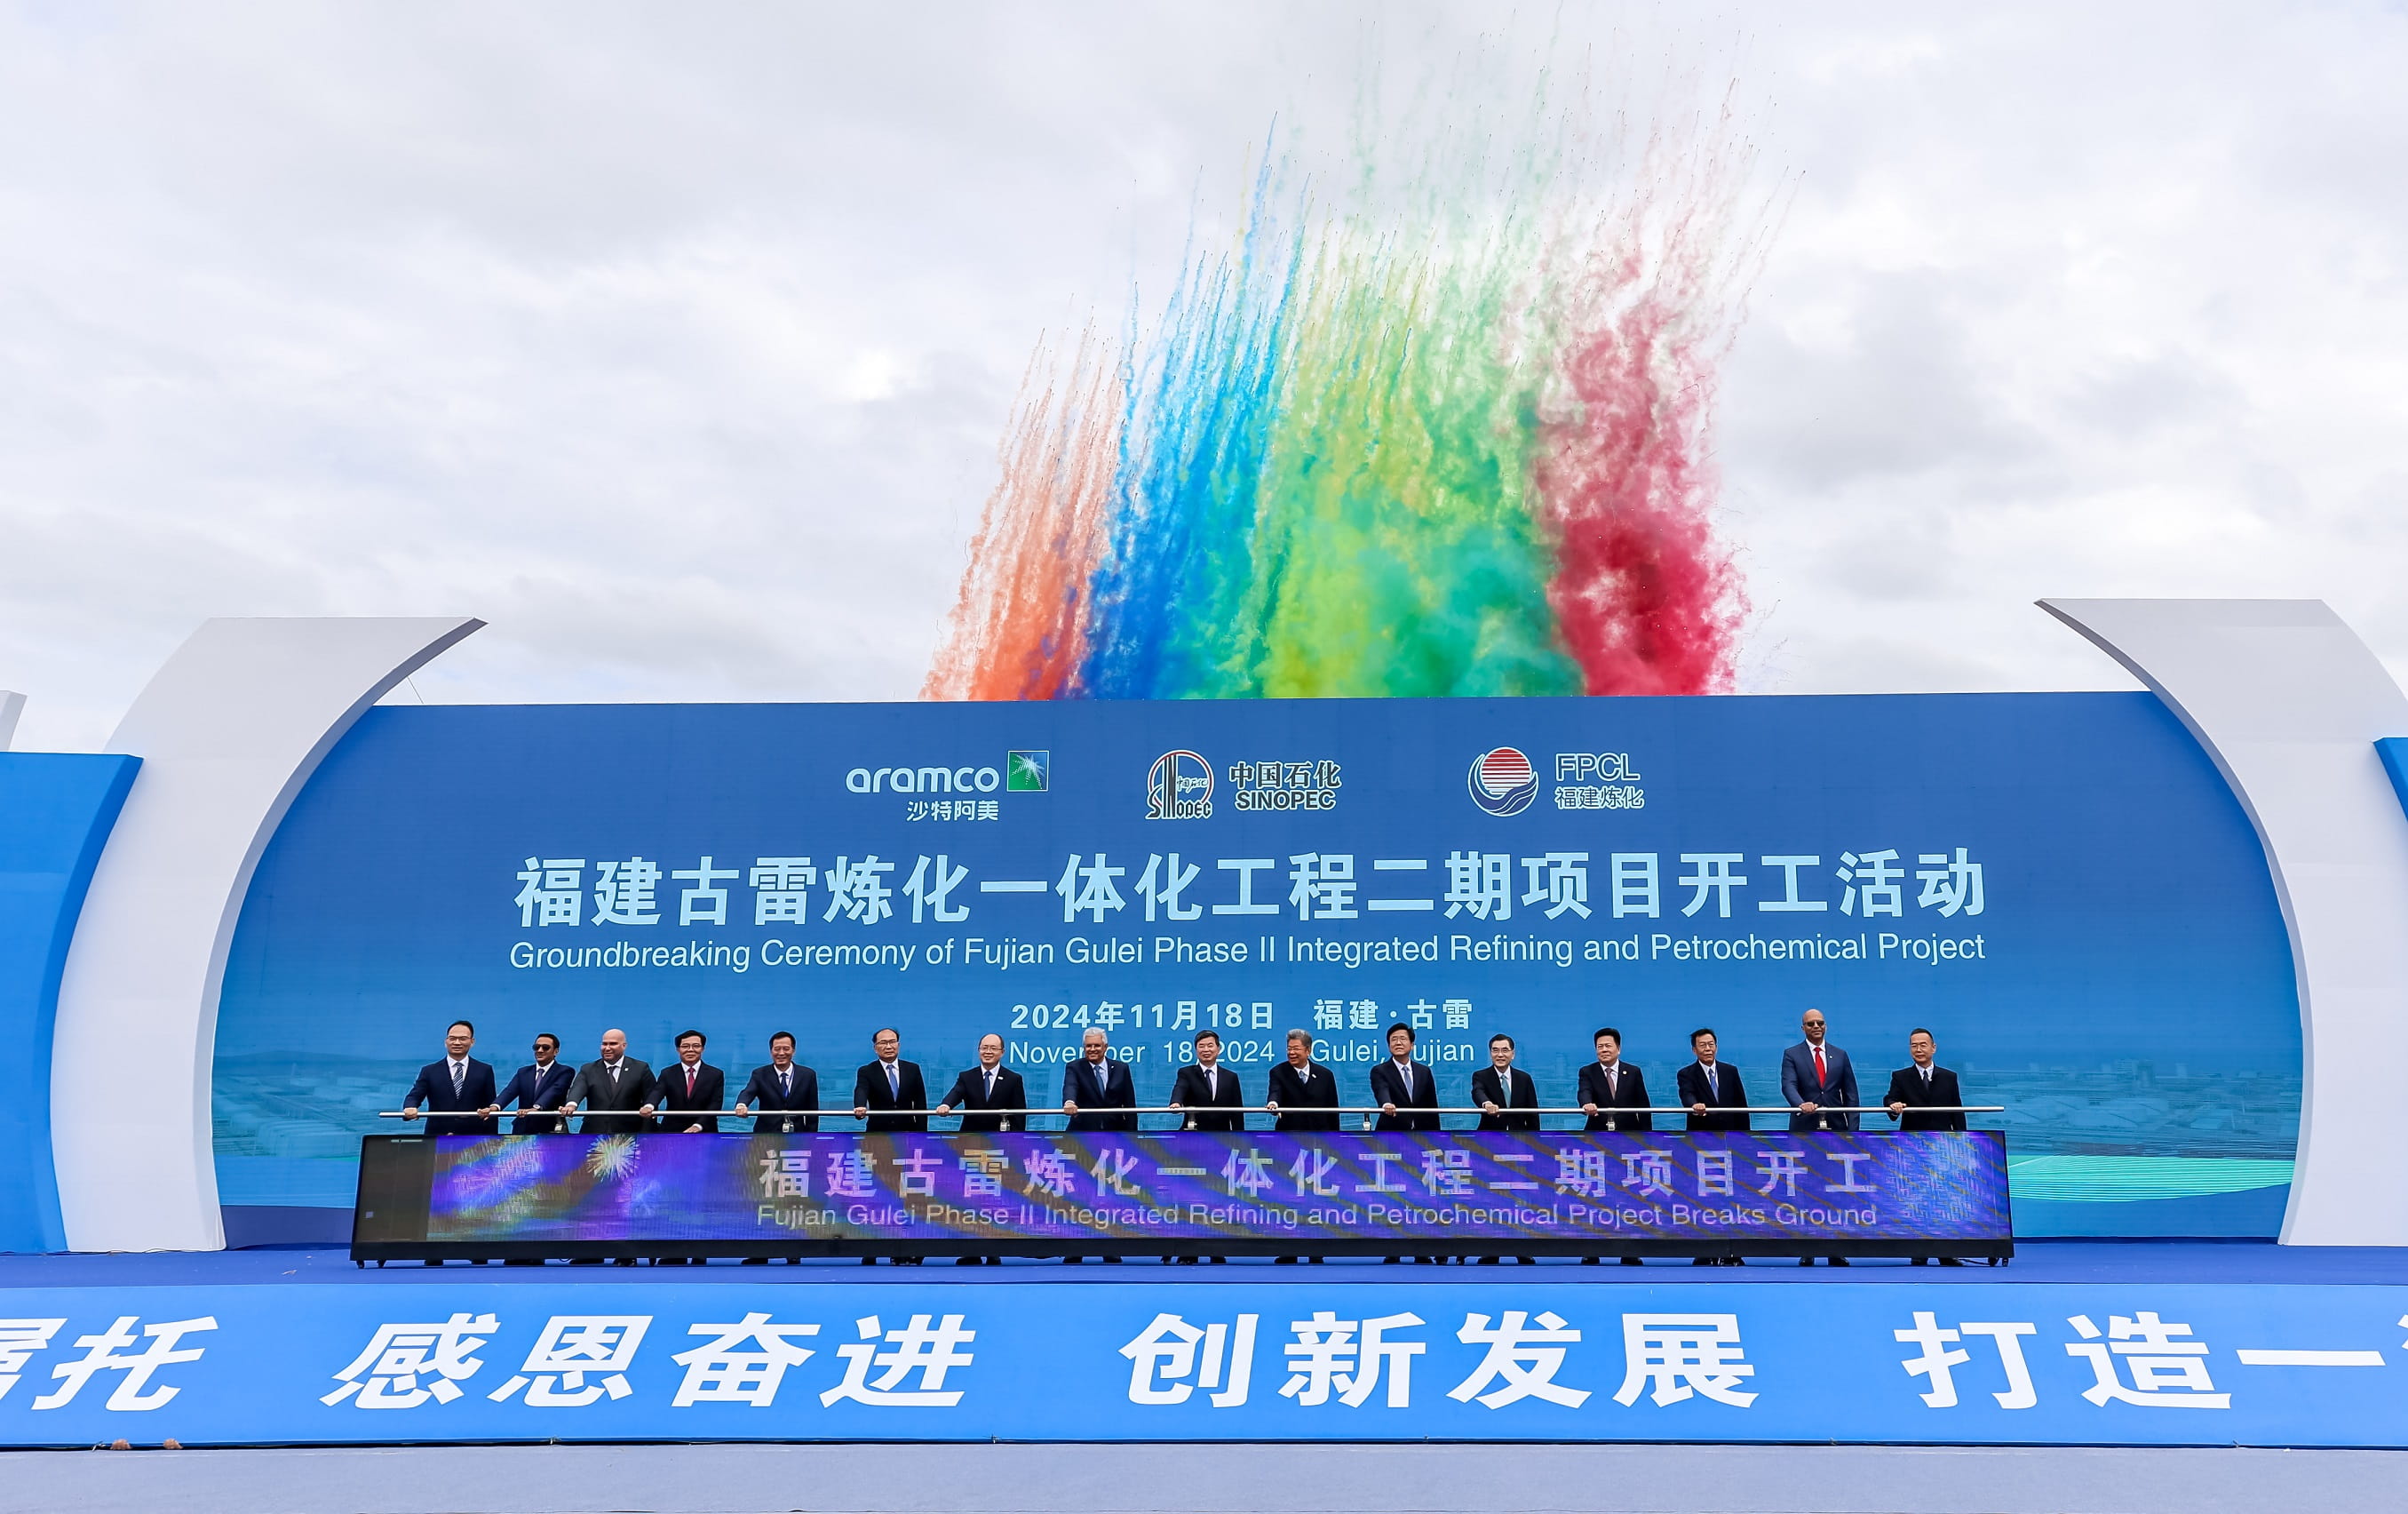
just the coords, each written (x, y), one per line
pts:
(1213, 1083)
(1822, 1077)
(459, 1077)
(689, 1082)
(1612, 1084)
(785, 1083)
(990, 1083)
(1927, 1080)
(893, 1080)
(613, 1069)
(1713, 1084)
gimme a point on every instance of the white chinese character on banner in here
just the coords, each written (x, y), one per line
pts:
(1782, 1169)
(1422, 1014)
(1166, 1354)
(1363, 1014)
(1088, 886)
(1714, 1175)
(786, 1174)
(723, 1371)
(1458, 1013)
(1714, 876)
(1682, 1354)
(1048, 1171)
(1111, 1174)
(933, 895)
(1480, 882)
(1850, 1180)
(1329, 1014)
(1527, 1358)
(1162, 883)
(1636, 887)
(1648, 1172)
(1872, 883)
(1247, 1172)
(1559, 880)
(2167, 1374)
(856, 891)
(1447, 1173)
(623, 895)
(1323, 885)
(1349, 1356)
(1789, 902)
(983, 1172)
(918, 1346)
(706, 903)
(19, 1340)
(1310, 1171)
(555, 892)
(572, 1347)
(1582, 1172)
(784, 888)
(1935, 1362)
(916, 1175)
(1952, 884)
(852, 1174)
(406, 1365)
(101, 1354)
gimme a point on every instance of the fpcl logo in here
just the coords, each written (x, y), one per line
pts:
(1178, 786)
(1501, 781)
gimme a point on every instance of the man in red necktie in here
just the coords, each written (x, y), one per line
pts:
(1817, 1081)
(690, 1085)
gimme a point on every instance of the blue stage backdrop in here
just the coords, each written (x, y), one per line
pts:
(2060, 885)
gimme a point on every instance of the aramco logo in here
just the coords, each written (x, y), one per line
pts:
(1178, 786)
(1502, 781)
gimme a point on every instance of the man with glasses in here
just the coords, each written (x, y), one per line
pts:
(1815, 1077)
(542, 1084)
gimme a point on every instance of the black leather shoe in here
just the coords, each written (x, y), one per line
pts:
(1952, 1261)
(1836, 1261)
(1283, 1261)
(1630, 1261)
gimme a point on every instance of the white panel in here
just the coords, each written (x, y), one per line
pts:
(12, 706)
(228, 732)
(2288, 702)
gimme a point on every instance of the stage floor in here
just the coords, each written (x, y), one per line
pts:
(2222, 1262)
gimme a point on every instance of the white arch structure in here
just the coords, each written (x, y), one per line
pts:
(228, 732)
(2289, 704)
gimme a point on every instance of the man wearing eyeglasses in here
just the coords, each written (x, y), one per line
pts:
(542, 1084)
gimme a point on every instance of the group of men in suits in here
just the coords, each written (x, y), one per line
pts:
(617, 1093)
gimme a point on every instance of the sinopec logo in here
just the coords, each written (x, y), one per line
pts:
(1178, 786)
(1502, 782)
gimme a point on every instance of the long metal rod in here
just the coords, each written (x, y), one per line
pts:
(660, 1112)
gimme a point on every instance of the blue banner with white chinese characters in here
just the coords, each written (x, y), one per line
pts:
(1400, 1187)
(2059, 887)
(1502, 1359)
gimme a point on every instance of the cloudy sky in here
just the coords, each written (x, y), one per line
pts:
(676, 341)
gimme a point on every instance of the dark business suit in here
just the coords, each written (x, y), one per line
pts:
(871, 1092)
(595, 1089)
(1524, 1094)
(1628, 1091)
(985, 1114)
(1307, 1100)
(1388, 1088)
(1090, 1089)
(1906, 1086)
(433, 1091)
(532, 1090)
(802, 1093)
(1726, 1091)
(1190, 1093)
(708, 1091)
(1799, 1084)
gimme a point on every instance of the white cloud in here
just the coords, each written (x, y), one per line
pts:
(677, 342)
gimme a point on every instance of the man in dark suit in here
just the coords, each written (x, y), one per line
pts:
(1206, 1087)
(1925, 1086)
(540, 1084)
(691, 1084)
(1706, 1084)
(788, 1095)
(992, 1095)
(1301, 1088)
(1610, 1085)
(888, 1084)
(1403, 1084)
(1499, 1087)
(1814, 1074)
(612, 1082)
(458, 1083)
(1101, 1085)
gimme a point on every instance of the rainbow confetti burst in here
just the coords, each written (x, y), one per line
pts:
(1456, 448)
